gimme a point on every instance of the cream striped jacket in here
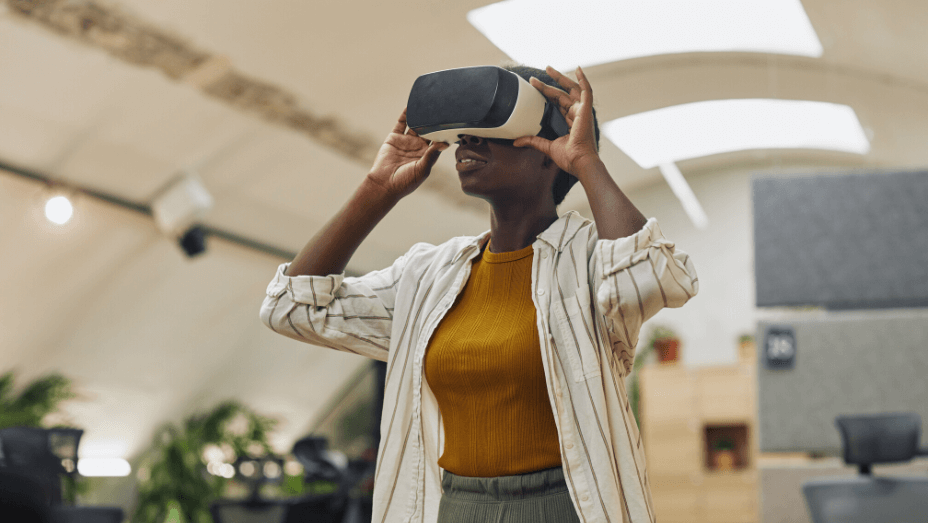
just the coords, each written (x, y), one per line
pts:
(591, 296)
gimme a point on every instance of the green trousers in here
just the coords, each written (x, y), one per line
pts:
(534, 497)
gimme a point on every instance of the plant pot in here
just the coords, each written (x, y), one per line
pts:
(747, 350)
(667, 350)
(723, 460)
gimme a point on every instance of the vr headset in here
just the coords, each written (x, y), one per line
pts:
(485, 101)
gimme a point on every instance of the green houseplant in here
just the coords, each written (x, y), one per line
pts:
(660, 343)
(174, 482)
(634, 391)
(746, 347)
(723, 454)
(36, 400)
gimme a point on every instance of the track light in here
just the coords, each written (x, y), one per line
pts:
(178, 207)
(59, 210)
(193, 242)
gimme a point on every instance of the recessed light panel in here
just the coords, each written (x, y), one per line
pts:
(103, 467)
(699, 129)
(588, 32)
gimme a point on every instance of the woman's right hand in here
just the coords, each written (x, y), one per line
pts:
(404, 161)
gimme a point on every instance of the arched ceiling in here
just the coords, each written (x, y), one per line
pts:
(279, 106)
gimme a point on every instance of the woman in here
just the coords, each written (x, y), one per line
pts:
(506, 352)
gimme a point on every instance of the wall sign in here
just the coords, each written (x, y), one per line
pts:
(780, 347)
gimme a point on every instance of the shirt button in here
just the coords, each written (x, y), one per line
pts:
(585, 497)
(569, 445)
(541, 292)
(544, 255)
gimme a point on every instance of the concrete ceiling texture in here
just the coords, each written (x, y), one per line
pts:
(279, 106)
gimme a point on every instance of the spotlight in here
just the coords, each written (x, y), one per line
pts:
(59, 210)
(193, 242)
(178, 206)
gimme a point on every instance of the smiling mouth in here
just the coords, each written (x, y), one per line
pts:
(469, 164)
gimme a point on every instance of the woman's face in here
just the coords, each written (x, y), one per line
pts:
(496, 170)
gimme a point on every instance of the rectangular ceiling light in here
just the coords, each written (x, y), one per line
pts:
(700, 129)
(588, 32)
(103, 467)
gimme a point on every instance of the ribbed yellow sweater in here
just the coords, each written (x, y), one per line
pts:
(483, 364)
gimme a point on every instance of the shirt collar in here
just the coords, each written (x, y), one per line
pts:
(557, 235)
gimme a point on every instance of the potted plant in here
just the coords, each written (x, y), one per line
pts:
(723, 454)
(746, 347)
(190, 465)
(666, 344)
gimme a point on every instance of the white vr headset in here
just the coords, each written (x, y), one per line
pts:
(485, 101)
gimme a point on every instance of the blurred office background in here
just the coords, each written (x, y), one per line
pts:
(158, 160)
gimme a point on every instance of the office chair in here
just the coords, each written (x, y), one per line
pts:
(30, 472)
(22, 498)
(865, 498)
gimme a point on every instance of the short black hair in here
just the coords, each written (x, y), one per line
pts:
(564, 180)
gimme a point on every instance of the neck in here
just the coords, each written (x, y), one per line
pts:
(515, 227)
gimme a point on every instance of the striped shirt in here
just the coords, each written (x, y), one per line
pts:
(591, 298)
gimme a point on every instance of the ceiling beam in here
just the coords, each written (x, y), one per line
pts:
(140, 43)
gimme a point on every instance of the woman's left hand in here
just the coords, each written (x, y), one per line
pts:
(574, 152)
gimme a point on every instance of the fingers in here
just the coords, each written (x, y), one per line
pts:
(400, 123)
(586, 90)
(581, 92)
(535, 142)
(431, 155)
(563, 99)
(586, 99)
(565, 82)
(400, 127)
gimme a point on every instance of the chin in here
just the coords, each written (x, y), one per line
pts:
(470, 190)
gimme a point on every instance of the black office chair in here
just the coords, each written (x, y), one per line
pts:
(865, 498)
(30, 472)
(22, 498)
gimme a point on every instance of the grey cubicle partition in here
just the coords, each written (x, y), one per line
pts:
(842, 241)
(853, 362)
(857, 243)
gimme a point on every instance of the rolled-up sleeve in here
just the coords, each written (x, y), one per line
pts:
(350, 314)
(635, 277)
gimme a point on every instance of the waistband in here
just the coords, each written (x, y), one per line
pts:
(504, 488)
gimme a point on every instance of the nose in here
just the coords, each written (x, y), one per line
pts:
(467, 139)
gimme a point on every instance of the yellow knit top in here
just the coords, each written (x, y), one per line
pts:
(483, 364)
